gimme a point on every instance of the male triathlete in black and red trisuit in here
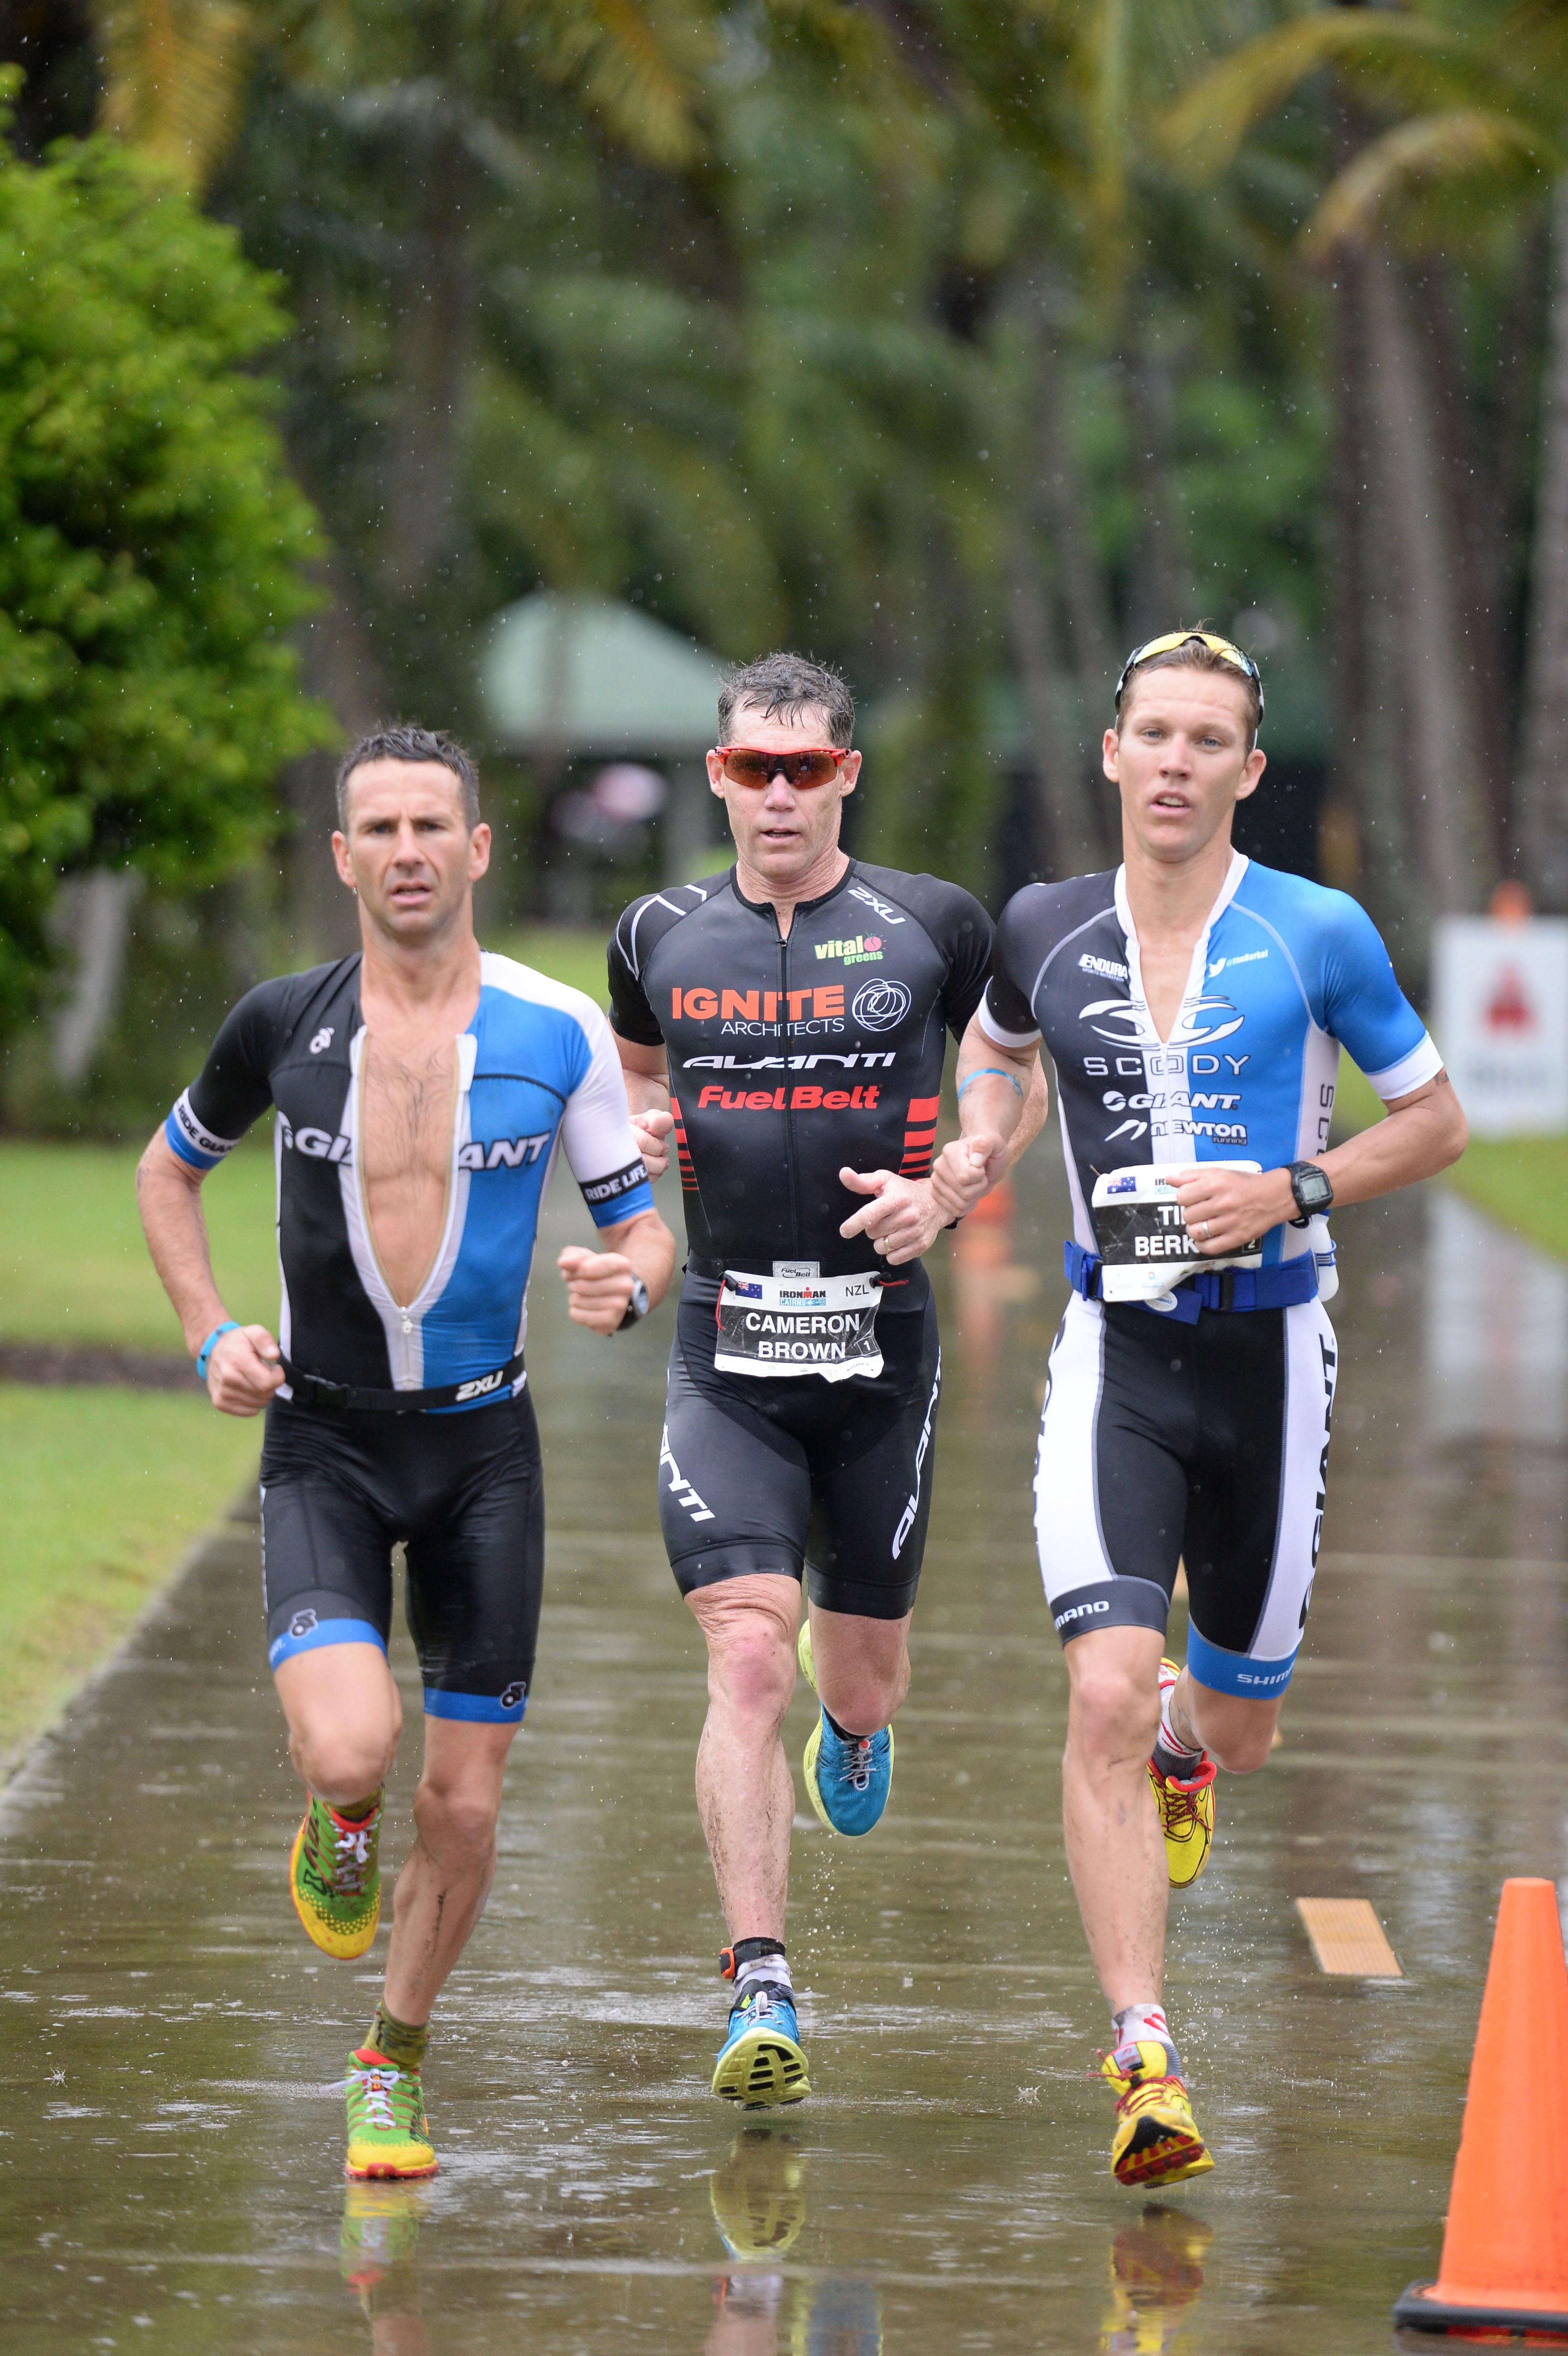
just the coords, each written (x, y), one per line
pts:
(789, 1020)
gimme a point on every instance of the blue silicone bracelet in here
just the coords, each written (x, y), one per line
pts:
(990, 1072)
(229, 1325)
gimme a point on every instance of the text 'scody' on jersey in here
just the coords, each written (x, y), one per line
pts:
(1283, 975)
(792, 1059)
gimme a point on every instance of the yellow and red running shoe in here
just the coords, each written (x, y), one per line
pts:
(335, 1879)
(1185, 1807)
(1157, 2139)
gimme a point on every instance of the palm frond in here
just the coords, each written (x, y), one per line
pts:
(175, 76)
(1208, 124)
(636, 63)
(1433, 147)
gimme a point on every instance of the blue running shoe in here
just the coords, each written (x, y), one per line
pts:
(761, 2062)
(848, 1782)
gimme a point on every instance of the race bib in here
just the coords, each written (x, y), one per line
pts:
(822, 1325)
(1142, 1237)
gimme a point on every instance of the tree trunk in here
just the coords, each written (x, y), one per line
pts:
(1450, 829)
(433, 331)
(1474, 504)
(1162, 582)
(1366, 819)
(339, 664)
(91, 920)
(1067, 837)
(1542, 803)
(1087, 613)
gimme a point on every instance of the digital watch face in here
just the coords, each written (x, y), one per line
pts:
(1313, 1191)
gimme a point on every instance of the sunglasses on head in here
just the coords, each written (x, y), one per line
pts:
(1174, 638)
(815, 767)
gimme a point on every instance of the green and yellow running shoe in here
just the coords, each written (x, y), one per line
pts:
(377, 2245)
(387, 2130)
(335, 1879)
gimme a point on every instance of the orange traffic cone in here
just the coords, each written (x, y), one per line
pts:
(1505, 2252)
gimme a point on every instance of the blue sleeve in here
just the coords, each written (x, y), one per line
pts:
(596, 1128)
(1364, 1005)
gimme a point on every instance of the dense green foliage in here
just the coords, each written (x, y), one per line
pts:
(152, 543)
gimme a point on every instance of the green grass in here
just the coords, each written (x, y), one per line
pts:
(577, 958)
(1520, 1182)
(74, 1267)
(104, 1490)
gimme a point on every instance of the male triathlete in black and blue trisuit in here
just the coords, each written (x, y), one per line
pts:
(421, 1092)
(789, 1018)
(1194, 1004)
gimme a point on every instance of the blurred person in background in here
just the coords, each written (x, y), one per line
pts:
(423, 1089)
(1194, 1003)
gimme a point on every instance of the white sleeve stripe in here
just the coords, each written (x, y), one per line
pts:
(1412, 1072)
(994, 1032)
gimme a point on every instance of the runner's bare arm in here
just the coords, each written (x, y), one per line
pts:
(646, 1073)
(1422, 1134)
(1001, 1111)
(242, 1368)
(599, 1284)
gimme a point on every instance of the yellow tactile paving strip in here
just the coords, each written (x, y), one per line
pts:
(1348, 1939)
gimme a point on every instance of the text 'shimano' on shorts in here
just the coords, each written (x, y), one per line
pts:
(1206, 1444)
(791, 1473)
(465, 1495)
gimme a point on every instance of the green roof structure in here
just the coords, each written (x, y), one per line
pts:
(580, 674)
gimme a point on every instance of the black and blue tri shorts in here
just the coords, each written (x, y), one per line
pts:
(464, 1497)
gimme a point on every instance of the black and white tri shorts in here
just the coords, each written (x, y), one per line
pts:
(1209, 1444)
(794, 1474)
(465, 1493)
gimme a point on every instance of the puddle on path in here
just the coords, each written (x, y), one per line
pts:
(170, 2146)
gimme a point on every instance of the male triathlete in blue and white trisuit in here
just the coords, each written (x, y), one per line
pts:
(421, 1090)
(1194, 1004)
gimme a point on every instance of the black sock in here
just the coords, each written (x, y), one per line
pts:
(841, 1731)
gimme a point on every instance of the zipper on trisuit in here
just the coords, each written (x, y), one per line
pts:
(789, 1117)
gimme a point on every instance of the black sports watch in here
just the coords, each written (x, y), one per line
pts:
(1313, 1189)
(637, 1306)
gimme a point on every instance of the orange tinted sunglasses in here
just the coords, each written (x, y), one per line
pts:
(743, 765)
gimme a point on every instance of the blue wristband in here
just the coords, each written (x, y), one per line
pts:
(990, 1072)
(229, 1325)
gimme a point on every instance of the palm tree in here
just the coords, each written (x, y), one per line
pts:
(1427, 105)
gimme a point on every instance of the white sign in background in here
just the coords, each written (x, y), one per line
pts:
(1500, 1016)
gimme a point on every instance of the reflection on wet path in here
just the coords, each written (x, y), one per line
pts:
(172, 2143)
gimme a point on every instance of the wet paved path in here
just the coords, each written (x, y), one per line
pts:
(170, 2153)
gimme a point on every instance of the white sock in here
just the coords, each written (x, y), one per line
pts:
(1169, 1738)
(775, 1969)
(1146, 2020)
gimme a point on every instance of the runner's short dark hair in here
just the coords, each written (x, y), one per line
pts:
(788, 684)
(406, 742)
(1193, 655)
